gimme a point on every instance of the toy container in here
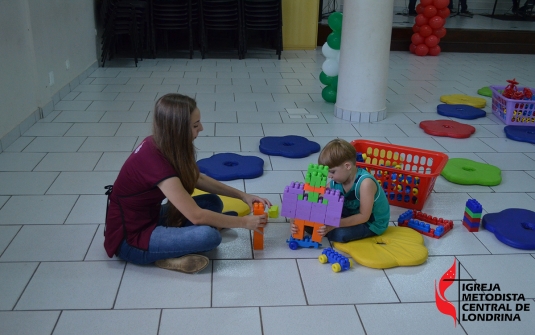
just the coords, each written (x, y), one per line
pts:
(407, 175)
(510, 111)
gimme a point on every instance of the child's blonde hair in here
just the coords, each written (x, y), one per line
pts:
(336, 153)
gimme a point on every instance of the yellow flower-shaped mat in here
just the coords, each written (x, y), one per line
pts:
(462, 99)
(229, 204)
(397, 246)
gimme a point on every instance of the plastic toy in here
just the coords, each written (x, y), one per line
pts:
(229, 204)
(306, 242)
(273, 212)
(229, 166)
(514, 227)
(397, 246)
(288, 146)
(258, 238)
(472, 215)
(511, 91)
(485, 91)
(447, 128)
(518, 110)
(460, 111)
(422, 223)
(462, 99)
(310, 204)
(339, 262)
(520, 133)
(468, 172)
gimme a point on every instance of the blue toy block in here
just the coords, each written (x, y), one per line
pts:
(405, 216)
(439, 230)
(419, 225)
(304, 243)
(474, 206)
(339, 262)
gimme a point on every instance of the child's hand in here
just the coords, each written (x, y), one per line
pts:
(295, 229)
(255, 222)
(324, 230)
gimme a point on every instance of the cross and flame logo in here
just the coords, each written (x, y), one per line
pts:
(443, 304)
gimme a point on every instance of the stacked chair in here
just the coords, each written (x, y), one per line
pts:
(126, 19)
(174, 15)
(264, 16)
(221, 16)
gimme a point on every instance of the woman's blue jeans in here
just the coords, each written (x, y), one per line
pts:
(170, 242)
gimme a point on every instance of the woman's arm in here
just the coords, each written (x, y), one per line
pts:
(210, 185)
(174, 191)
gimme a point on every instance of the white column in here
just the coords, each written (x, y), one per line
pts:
(364, 60)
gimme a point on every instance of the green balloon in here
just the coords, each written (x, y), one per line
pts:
(335, 21)
(327, 80)
(329, 94)
(334, 83)
(334, 39)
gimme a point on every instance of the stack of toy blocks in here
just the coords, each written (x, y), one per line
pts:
(259, 209)
(422, 222)
(311, 204)
(472, 215)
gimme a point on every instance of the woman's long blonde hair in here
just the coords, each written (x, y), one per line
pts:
(171, 132)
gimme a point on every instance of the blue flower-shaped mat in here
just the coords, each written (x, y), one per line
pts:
(513, 226)
(290, 146)
(520, 133)
(229, 166)
(460, 111)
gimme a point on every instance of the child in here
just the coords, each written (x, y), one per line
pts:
(366, 211)
(138, 228)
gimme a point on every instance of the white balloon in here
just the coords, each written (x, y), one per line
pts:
(330, 67)
(329, 52)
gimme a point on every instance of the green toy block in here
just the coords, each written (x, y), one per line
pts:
(273, 212)
(472, 215)
(313, 197)
(300, 197)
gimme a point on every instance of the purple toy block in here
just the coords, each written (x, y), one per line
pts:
(289, 198)
(318, 212)
(303, 210)
(334, 210)
(333, 195)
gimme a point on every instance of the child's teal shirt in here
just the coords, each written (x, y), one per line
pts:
(378, 221)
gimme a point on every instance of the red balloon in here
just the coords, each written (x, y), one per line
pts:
(436, 22)
(440, 32)
(431, 41)
(434, 51)
(444, 13)
(420, 20)
(419, 8)
(439, 4)
(426, 2)
(412, 47)
(425, 30)
(415, 29)
(421, 50)
(417, 38)
(430, 11)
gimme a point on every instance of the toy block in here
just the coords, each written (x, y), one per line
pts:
(313, 197)
(470, 220)
(334, 209)
(422, 222)
(273, 212)
(470, 229)
(300, 229)
(472, 214)
(303, 209)
(289, 205)
(304, 243)
(258, 238)
(339, 262)
(315, 226)
(318, 212)
(474, 206)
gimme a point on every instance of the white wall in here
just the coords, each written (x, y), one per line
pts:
(38, 37)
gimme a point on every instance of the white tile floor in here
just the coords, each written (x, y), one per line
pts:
(56, 279)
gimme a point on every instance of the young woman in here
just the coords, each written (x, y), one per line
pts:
(138, 228)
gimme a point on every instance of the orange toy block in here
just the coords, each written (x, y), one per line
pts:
(301, 224)
(258, 239)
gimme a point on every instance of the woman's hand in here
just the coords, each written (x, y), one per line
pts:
(254, 222)
(324, 230)
(249, 199)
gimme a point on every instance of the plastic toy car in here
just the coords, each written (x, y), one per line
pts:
(338, 261)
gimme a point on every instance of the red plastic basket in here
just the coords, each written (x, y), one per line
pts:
(510, 111)
(406, 174)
